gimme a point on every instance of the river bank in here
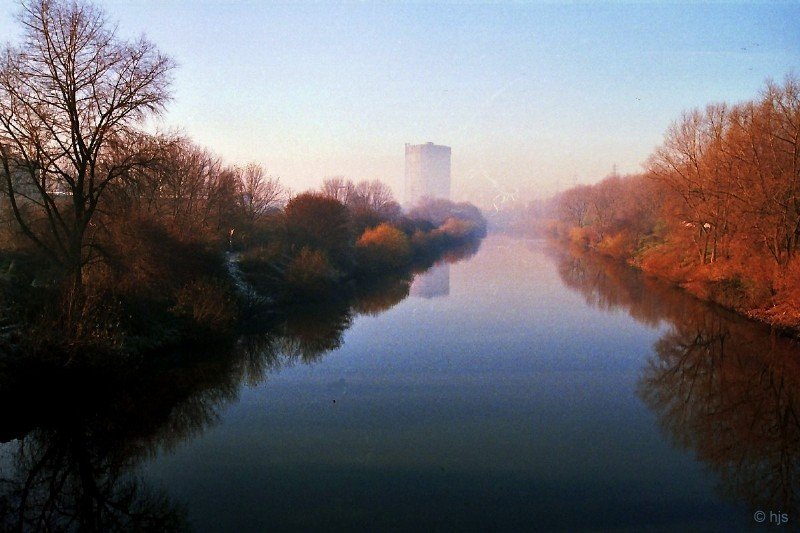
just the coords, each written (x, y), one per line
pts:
(159, 290)
(707, 284)
(715, 209)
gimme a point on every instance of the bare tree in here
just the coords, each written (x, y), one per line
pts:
(259, 192)
(72, 96)
(765, 147)
(693, 164)
(373, 196)
(339, 188)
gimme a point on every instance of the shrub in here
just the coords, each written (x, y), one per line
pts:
(383, 248)
(616, 245)
(455, 229)
(438, 211)
(207, 304)
(584, 237)
(144, 258)
(785, 310)
(320, 223)
(310, 272)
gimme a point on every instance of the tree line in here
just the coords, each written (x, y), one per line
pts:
(113, 232)
(717, 208)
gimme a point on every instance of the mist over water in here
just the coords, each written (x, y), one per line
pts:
(524, 388)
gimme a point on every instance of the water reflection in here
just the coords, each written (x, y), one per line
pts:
(380, 295)
(433, 283)
(72, 437)
(433, 280)
(76, 435)
(722, 386)
(485, 424)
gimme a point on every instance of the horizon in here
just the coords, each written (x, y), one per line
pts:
(532, 99)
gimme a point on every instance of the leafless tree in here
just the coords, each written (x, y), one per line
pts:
(373, 196)
(339, 188)
(72, 96)
(692, 163)
(259, 192)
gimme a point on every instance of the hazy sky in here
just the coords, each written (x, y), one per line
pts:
(531, 97)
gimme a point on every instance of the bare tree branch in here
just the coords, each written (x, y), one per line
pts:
(70, 96)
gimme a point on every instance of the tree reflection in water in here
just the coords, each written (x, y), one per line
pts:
(722, 386)
(74, 436)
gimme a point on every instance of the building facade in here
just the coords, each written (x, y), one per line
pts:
(427, 172)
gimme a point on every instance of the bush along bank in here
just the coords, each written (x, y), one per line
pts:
(717, 210)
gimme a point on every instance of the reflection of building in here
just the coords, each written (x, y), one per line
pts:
(433, 283)
(427, 172)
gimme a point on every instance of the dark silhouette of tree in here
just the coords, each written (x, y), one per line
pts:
(71, 99)
(320, 223)
(61, 483)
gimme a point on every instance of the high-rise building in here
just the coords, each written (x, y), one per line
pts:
(427, 172)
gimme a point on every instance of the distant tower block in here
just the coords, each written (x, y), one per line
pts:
(427, 172)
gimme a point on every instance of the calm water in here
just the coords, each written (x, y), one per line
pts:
(523, 388)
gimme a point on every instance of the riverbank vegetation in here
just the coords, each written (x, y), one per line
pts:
(707, 361)
(717, 209)
(93, 423)
(116, 237)
(321, 243)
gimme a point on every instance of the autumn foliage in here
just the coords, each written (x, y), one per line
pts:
(113, 235)
(717, 209)
(320, 247)
(383, 247)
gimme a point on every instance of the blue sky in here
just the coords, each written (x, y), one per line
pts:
(531, 97)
